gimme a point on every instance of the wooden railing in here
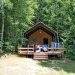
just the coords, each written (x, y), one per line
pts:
(26, 50)
(30, 50)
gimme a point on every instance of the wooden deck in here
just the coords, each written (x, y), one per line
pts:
(40, 55)
(26, 51)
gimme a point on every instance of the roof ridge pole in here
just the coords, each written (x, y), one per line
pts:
(2, 23)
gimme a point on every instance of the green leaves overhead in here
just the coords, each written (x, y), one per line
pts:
(20, 15)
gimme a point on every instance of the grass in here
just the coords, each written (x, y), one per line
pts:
(13, 65)
(63, 67)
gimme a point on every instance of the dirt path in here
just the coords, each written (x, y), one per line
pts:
(13, 65)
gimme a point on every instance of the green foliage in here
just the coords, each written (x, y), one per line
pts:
(20, 15)
(9, 47)
(18, 18)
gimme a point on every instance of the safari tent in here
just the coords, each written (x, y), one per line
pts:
(42, 42)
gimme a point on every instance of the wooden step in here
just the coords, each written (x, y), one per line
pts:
(40, 58)
(41, 55)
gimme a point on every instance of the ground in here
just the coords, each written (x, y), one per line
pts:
(15, 65)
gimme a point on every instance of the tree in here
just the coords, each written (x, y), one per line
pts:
(18, 15)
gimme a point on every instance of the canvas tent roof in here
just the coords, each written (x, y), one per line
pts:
(41, 26)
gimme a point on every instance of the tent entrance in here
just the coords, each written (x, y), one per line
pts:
(45, 41)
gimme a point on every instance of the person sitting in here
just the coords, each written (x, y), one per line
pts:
(45, 48)
(38, 49)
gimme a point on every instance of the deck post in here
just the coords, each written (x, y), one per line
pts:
(27, 49)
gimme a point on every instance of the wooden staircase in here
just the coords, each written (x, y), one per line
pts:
(40, 56)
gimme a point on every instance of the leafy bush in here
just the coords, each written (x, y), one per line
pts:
(8, 47)
(72, 57)
(70, 43)
(70, 51)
